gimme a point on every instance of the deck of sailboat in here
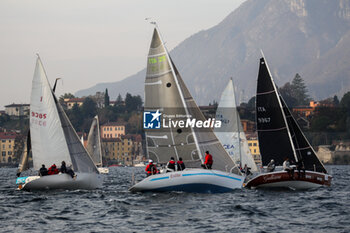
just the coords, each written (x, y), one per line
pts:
(281, 179)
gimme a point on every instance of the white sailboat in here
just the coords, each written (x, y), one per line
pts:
(167, 95)
(94, 146)
(231, 134)
(54, 140)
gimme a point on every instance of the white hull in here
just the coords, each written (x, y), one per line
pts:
(103, 170)
(190, 180)
(62, 181)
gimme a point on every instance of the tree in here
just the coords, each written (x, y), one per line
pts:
(66, 96)
(89, 108)
(76, 117)
(133, 103)
(299, 91)
(106, 98)
(287, 93)
(119, 100)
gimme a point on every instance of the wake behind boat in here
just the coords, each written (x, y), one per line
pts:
(167, 97)
(281, 139)
(53, 140)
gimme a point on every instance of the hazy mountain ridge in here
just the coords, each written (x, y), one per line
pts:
(309, 37)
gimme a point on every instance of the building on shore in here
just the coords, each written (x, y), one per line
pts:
(11, 145)
(17, 110)
(112, 130)
(123, 150)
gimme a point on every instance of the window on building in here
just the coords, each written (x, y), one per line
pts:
(10, 146)
(254, 150)
(3, 140)
(3, 146)
(254, 144)
(9, 152)
(4, 153)
(10, 140)
(249, 144)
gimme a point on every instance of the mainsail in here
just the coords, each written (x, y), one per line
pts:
(94, 142)
(279, 134)
(231, 134)
(53, 138)
(165, 91)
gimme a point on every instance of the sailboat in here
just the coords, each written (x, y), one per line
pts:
(94, 146)
(167, 97)
(280, 137)
(231, 133)
(53, 140)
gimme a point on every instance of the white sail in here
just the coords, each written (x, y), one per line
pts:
(49, 145)
(236, 147)
(94, 142)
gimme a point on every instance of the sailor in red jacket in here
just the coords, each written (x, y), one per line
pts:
(208, 163)
(151, 169)
(53, 170)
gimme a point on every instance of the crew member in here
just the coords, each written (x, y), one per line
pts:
(180, 165)
(271, 166)
(151, 169)
(43, 171)
(288, 168)
(64, 169)
(208, 163)
(53, 170)
(170, 167)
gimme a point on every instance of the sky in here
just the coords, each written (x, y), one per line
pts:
(85, 42)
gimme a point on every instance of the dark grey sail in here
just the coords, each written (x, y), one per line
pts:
(94, 142)
(166, 91)
(24, 161)
(274, 137)
(162, 93)
(81, 160)
(304, 151)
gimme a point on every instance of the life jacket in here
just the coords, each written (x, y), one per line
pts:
(180, 165)
(53, 170)
(208, 159)
(151, 169)
(171, 165)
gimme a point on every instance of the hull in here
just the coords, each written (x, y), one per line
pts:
(190, 180)
(103, 170)
(60, 181)
(281, 179)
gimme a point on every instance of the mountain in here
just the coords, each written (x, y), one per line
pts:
(309, 37)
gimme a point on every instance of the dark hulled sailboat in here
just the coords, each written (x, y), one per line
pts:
(280, 137)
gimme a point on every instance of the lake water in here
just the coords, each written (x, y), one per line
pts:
(114, 209)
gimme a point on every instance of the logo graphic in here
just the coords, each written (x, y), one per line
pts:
(151, 120)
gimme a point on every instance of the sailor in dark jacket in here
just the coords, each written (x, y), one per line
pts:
(180, 165)
(170, 167)
(43, 170)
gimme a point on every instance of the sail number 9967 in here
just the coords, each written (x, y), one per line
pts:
(264, 119)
